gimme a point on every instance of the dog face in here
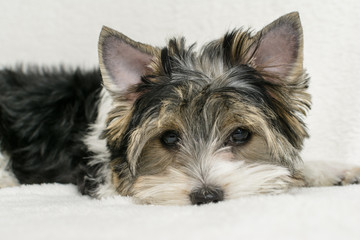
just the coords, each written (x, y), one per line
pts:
(191, 126)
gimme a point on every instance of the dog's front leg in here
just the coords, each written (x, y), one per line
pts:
(319, 173)
(7, 178)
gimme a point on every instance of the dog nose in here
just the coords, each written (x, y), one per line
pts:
(206, 195)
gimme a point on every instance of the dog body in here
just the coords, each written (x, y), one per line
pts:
(168, 125)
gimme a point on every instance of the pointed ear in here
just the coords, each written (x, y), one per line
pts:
(278, 48)
(122, 61)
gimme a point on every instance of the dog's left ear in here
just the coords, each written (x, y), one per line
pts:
(122, 61)
(278, 49)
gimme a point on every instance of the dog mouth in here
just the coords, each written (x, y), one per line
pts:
(232, 181)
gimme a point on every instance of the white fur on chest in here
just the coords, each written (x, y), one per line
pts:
(97, 146)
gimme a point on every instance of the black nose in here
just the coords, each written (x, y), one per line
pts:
(206, 195)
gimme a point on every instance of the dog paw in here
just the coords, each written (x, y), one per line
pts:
(350, 176)
(318, 174)
(7, 178)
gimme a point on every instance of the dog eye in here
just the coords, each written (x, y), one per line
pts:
(170, 138)
(239, 136)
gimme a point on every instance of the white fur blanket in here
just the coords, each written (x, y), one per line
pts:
(55, 211)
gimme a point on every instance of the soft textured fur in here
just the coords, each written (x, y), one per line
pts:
(43, 117)
(171, 125)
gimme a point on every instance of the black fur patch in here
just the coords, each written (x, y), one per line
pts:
(44, 115)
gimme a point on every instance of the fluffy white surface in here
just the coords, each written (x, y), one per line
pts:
(66, 31)
(58, 212)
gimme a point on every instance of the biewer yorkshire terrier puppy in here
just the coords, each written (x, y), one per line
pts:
(171, 125)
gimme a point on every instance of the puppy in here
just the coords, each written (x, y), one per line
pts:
(169, 125)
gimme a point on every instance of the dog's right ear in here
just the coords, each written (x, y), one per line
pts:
(122, 61)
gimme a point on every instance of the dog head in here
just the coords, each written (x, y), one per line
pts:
(198, 126)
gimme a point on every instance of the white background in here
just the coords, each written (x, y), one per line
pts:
(66, 31)
(52, 32)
